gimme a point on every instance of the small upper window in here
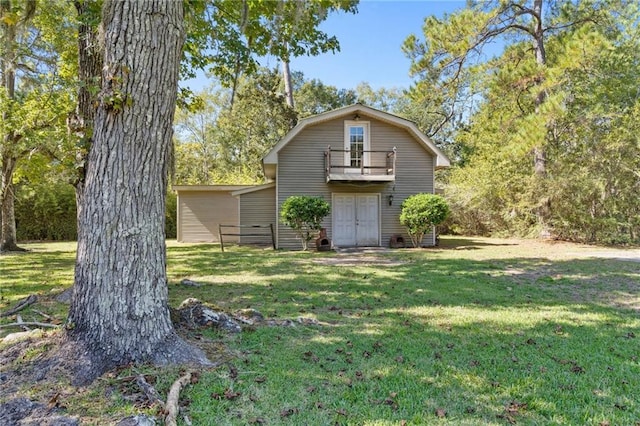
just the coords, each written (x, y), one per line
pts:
(356, 144)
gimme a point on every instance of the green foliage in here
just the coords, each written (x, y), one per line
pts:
(171, 215)
(391, 100)
(314, 97)
(245, 31)
(219, 144)
(304, 214)
(420, 213)
(575, 107)
(35, 97)
(46, 211)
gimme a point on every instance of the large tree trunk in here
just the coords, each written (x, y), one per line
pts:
(119, 311)
(8, 241)
(89, 69)
(288, 89)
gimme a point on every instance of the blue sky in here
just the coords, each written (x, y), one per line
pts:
(370, 44)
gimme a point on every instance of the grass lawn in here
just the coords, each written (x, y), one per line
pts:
(475, 332)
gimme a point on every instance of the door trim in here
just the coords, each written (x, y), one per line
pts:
(355, 195)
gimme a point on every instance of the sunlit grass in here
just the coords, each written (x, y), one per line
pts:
(473, 332)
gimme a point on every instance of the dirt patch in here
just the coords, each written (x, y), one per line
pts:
(32, 367)
(38, 377)
(606, 277)
(630, 255)
(361, 257)
(358, 260)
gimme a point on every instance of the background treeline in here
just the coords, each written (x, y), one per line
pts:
(47, 211)
(543, 133)
(215, 142)
(579, 110)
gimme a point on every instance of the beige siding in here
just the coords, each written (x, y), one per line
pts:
(258, 208)
(414, 174)
(200, 212)
(301, 172)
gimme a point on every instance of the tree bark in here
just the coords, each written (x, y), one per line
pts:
(288, 89)
(8, 240)
(81, 121)
(119, 311)
(89, 69)
(543, 212)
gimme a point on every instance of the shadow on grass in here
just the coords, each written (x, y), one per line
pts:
(437, 337)
(34, 272)
(490, 341)
(452, 243)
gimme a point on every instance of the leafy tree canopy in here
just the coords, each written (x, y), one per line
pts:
(227, 37)
(584, 126)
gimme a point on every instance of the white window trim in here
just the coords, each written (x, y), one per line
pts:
(347, 145)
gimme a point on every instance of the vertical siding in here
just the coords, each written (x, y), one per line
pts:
(200, 212)
(301, 172)
(258, 208)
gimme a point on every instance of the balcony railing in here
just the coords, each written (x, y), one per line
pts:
(364, 166)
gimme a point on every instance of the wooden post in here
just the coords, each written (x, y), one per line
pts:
(394, 159)
(273, 239)
(220, 237)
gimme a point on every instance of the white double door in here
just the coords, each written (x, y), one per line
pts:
(356, 220)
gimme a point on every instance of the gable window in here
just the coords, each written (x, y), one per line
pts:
(356, 145)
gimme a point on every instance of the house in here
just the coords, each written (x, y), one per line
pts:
(363, 161)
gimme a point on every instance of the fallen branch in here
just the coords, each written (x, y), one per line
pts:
(49, 317)
(19, 321)
(22, 303)
(171, 407)
(149, 391)
(29, 324)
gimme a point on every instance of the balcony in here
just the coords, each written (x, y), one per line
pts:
(343, 165)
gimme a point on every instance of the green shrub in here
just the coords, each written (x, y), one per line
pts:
(46, 211)
(171, 215)
(420, 213)
(304, 215)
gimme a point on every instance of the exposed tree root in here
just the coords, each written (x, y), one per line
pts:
(22, 303)
(29, 324)
(150, 392)
(91, 363)
(8, 248)
(61, 360)
(171, 407)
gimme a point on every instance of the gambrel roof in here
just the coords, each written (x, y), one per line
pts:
(270, 160)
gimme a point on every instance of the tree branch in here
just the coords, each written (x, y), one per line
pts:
(171, 407)
(29, 324)
(23, 303)
(570, 24)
